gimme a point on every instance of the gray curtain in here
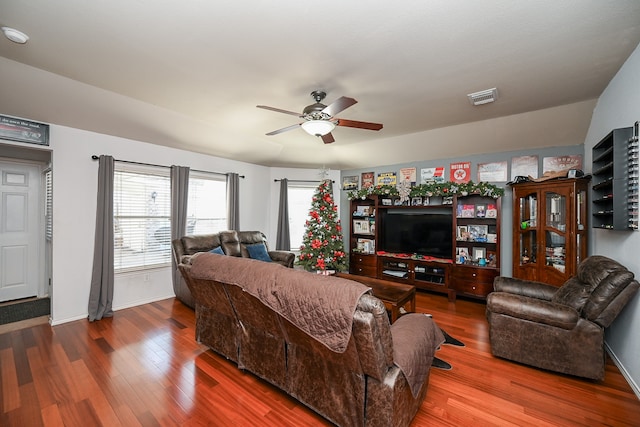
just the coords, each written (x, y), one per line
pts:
(233, 201)
(179, 198)
(101, 292)
(283, 239)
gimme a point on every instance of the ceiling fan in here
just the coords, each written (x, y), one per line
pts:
(320, 120)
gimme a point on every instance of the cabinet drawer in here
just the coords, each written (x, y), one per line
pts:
(473, 281)
(363, 265)
(481, 275)
(361, 270)
(476, 289)
(363, 260)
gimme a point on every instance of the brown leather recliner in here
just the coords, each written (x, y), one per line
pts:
(560, 329)
(232, 242)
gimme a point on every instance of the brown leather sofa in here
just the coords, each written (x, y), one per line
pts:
(233, 243)
(377, 377)
(560, 329)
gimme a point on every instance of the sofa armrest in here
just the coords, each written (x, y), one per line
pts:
(532, 309)
(416, 338)
(283, 257)
(527, 288)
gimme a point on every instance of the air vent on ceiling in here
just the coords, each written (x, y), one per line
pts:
(483, 97)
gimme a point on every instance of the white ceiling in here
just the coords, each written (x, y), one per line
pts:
(190, 73)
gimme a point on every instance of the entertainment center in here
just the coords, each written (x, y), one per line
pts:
(448, 245)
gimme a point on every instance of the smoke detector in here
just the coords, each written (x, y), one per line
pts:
(15, 35)
(483, 97)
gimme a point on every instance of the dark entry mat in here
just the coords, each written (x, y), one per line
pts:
(24, 310)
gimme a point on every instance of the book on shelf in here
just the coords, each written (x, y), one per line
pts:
(481, 211)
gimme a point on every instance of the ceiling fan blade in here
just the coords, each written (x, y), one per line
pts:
(328, 138)
(278, 110)
(292, 127)
(339, 105)
(359, 125)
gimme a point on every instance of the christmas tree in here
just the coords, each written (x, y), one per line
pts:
(322, 246)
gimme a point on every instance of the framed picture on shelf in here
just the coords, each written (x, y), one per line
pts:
(478, 233)
(416, 201)
(361, 226)
(462, 255)
(491, 258)
(386, 202)
(462, 233)
(492, 211)
(362, 211)
(479, 253)
(481, 211)
(466, 211)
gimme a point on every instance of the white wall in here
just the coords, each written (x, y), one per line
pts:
(74, 209)
(619, 106)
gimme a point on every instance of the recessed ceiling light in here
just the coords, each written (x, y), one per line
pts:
(15, 35)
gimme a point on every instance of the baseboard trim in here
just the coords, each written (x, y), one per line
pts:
(55, 322)
(623, 371)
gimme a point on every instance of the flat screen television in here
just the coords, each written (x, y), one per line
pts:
(417, 231)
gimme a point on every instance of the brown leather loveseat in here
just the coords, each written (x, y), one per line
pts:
(560, 329)
(326, 341)
(232, 243)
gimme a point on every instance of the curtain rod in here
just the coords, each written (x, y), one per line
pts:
(94, 157)
(302, 180)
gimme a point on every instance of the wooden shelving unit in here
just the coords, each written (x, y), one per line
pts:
(451, 276)
(610, 185)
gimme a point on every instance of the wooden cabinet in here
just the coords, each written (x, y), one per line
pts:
(363, 265)
(427, 275)
(613, 179)
(475, 232)
(476, 282)
(549, 229)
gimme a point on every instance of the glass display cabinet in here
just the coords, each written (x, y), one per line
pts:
(549, 229)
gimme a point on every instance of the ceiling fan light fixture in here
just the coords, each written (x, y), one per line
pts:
(318, 127)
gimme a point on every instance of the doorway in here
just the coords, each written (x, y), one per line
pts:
(25, 222)
(20, 231)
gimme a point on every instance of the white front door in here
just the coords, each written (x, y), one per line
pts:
(20, 230)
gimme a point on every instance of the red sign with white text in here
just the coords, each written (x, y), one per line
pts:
(460, 172)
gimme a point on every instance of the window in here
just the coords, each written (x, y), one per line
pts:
(141, 212)
(299, 204)
(207, 205)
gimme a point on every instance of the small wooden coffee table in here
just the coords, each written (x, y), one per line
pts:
(393, 295)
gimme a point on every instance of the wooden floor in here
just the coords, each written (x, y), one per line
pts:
(143, 368)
